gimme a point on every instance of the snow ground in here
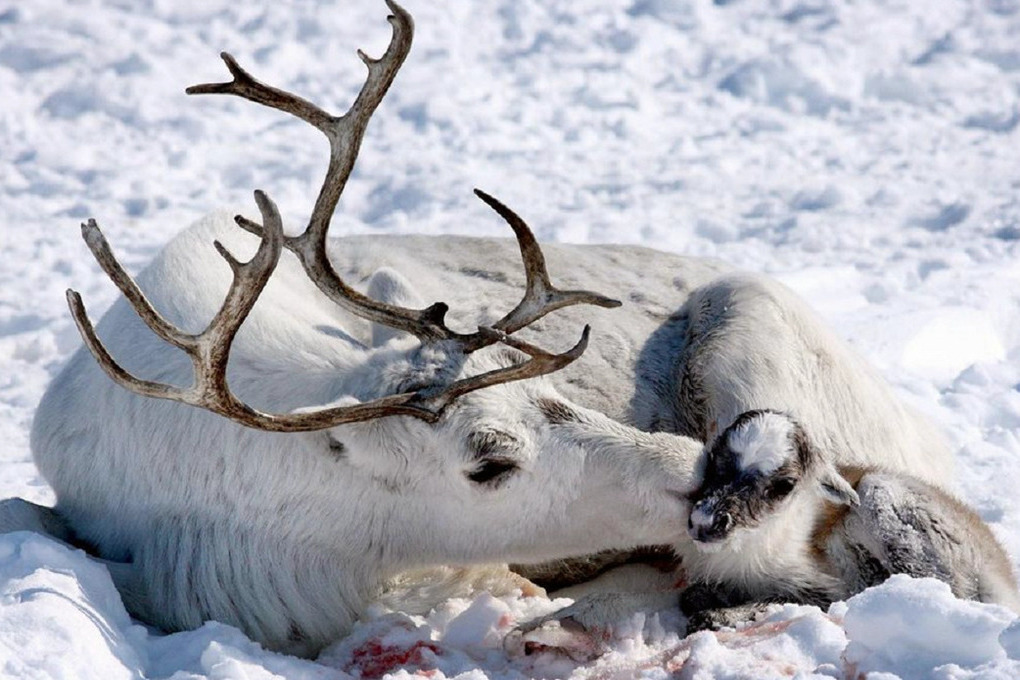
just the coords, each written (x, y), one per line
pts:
(863, 152)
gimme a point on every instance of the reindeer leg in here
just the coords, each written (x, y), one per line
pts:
(582, 630)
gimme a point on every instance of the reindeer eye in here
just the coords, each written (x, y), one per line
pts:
(492, 470)
(780, 488)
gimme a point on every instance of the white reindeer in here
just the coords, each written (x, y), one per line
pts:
(774, 520)
(354, 443)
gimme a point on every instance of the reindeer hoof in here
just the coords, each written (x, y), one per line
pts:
(707, 619)
(562, 635)
(725, 617)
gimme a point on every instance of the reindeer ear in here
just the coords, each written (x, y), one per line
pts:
(837, 489)
(389, 286)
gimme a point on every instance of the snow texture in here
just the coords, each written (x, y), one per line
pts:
(865, 153)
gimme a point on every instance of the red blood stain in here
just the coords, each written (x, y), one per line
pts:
(374, 660)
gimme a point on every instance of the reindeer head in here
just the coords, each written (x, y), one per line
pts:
(753, 470)
(515, 472)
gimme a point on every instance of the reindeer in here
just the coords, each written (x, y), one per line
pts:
(289, 445)
(293, 493)
(775, 520)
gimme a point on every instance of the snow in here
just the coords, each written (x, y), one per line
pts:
(865, 153)
(881, 626)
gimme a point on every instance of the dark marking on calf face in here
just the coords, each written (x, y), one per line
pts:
(807, 455)
(557, 412)
(747, 416)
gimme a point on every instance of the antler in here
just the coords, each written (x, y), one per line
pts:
(345, 134)
(210, 349)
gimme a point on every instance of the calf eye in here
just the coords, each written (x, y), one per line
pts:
(780, 488)
(492, 471)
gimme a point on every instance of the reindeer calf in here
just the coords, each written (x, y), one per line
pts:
(774, 520)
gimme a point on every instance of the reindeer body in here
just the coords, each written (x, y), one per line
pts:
(796, 528)
(289, 535)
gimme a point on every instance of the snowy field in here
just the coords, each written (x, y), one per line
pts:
(867, 153)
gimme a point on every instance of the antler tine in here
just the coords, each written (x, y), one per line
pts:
(345, 134)
(101, 250)
(540, 295)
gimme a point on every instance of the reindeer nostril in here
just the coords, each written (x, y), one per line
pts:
(690, 522)
(724, 522)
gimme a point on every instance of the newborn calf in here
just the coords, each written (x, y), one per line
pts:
(775, 521)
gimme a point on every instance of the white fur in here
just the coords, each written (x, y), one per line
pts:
(288, 536)
(762, 444)
(754, 559)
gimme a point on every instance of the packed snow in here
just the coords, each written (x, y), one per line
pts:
(865, 153)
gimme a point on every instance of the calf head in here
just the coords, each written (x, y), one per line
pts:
(753, 470)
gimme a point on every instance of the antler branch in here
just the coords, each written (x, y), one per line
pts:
(345, 134)
(209, 350)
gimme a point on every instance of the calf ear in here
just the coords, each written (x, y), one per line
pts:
(837, 489)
